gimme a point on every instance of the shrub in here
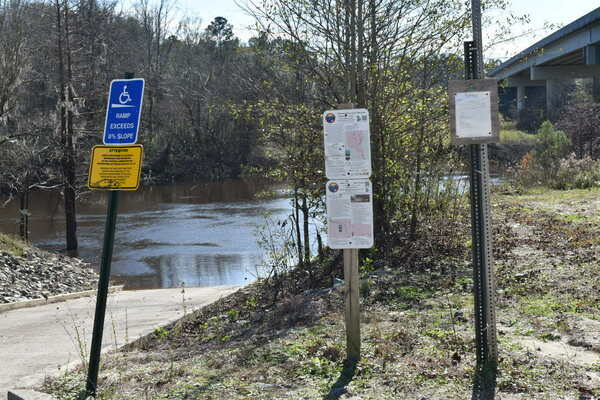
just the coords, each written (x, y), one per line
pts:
(551, 146)
(571, 173)
(574, 173)
(540, 166)
(582, 122)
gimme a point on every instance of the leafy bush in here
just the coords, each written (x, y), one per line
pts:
(540, 166)
(551, 146)
(574, 173)
(571, 173)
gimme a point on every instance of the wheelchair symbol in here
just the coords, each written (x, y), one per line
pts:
(124, 97)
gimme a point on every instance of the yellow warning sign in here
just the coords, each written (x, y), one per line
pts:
(116, 167)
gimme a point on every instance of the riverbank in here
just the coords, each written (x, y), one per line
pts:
(417, 325)
(166, 236)
(28, 273)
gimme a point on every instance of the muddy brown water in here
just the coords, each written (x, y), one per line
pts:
(167, 236)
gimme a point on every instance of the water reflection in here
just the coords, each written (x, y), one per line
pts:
(167, 236)
(205, 269)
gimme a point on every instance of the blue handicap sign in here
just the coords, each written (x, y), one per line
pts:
(123, 111)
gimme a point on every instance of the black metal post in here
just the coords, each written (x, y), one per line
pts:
(484, 385)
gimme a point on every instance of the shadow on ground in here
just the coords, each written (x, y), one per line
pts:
(339, 387)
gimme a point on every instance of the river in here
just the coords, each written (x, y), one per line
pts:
(167, 236)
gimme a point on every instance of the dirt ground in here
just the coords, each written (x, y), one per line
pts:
(416, 329)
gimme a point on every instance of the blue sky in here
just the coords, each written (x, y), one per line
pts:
(559, 12)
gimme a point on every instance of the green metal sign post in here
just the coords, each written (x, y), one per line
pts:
(102, 296)
(107, 250)
(484, 385)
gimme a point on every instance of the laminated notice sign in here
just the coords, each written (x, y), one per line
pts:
(473, 106)
(350, 214)
(473, 114)
(347, 144)
(115, 167)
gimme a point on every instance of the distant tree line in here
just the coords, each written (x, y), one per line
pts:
(216, 107)
(57, 58)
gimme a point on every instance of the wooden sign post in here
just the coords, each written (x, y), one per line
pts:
(352, 314)
(349, 203)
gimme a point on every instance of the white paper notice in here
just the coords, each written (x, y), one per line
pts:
(473, 114)
(350, 214)
(347, 144)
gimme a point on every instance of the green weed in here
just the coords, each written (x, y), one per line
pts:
(161, 333)
(12, 245)
(411, 293)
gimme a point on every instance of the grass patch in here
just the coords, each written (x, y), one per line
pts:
(12, 245)
(557, 196)
(544, 306)
(509, 134)
(514, 136)
(411, 294)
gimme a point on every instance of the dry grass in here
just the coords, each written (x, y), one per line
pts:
(417, 328)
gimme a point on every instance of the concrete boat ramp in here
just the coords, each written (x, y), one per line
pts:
(42, 341)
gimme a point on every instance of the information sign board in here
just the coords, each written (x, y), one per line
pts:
(123, 111)
(347, 144)
(115, 167)
(474, 111)
(349, 214)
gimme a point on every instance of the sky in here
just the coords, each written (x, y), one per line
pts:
(541, 13)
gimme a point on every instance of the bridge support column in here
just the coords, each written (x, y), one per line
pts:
(552, 99)
(521, 84)
(592, 57)
(520, 99)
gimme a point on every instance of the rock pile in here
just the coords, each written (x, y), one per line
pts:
(38, 274)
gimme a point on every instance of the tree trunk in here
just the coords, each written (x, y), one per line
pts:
(306, 231)
(66, 128)
(361, 96)
(305, 216)
(297, 226)
(353, 74)
(377, 139)
(70, 206)
(417, 188)
(320, 246)
(24, 215)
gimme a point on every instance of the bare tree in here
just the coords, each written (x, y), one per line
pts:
(25, 167)
(364, 52)
(12, 55)
(65, 110)
(158, 39)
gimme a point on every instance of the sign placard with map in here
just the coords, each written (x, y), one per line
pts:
(347, 144)
(349, 214)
